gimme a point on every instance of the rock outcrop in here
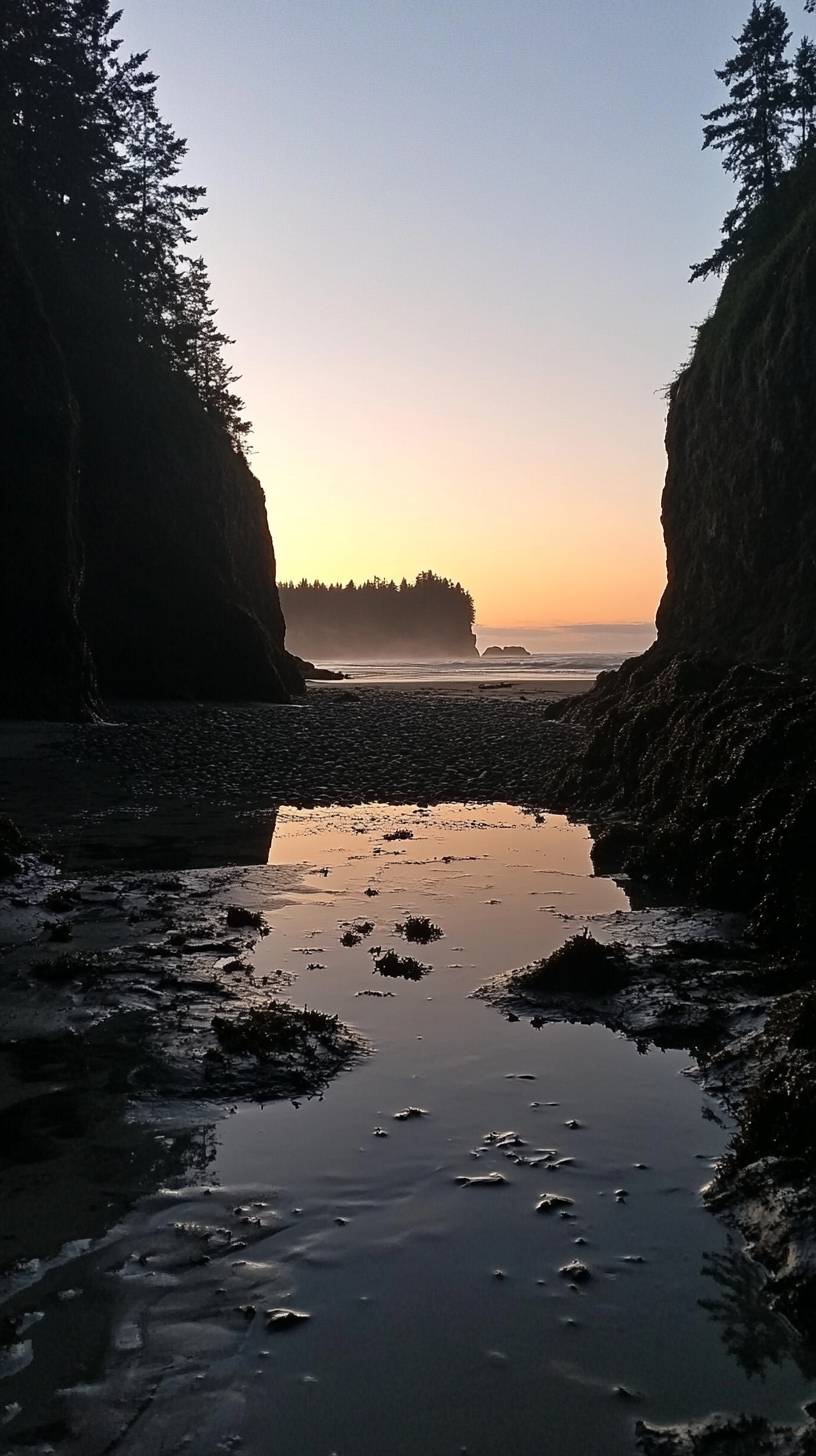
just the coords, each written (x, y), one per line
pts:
(739, 505)
(505, 652)
(135, 542)
(705, 744)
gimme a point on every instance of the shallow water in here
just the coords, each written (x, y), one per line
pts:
(439, 1320)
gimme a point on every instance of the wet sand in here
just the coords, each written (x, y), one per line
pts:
(121, 788)
(510, 688)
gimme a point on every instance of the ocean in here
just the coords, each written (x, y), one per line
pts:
(538, 667)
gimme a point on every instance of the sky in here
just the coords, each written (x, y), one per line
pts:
(452, 241)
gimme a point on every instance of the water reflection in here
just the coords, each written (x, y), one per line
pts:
(172, 837)
(754, 1334)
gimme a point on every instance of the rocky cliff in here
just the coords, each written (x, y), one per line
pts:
(136, 540)
(700, 753)
(739, 505)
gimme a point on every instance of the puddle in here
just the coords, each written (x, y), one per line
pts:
(439, 1319)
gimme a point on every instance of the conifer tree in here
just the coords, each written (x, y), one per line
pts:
(752, 128)
(199, 347)
(157, 214)
(804, 98)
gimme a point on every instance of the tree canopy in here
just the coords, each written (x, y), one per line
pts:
(767, 123)
(93, 174)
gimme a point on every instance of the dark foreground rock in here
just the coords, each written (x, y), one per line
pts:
(701, 779)
(748, 1436)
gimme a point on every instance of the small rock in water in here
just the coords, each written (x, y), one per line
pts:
(481, 1180)
(499, 1274)
(632, 1259)
(284, 1319)
(624, 1393)
(576, 1271)
(621, 1195)
(496, 1357)
(379, 1132)
(573, 1123)
(503, 1140)
(409, 1112)
(551, 1202)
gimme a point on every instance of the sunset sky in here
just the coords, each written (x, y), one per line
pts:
(452, 240)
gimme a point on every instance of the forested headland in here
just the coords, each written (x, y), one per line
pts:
(431, 617)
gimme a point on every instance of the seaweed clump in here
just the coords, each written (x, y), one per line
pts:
(404, 967)
(582, 964)
(419, 929)
(238, 917)
(293, 1049)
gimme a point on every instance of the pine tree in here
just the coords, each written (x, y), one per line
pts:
(156, 214)
(804, 98)
(198, 346)
(752, 128)
(92, 174)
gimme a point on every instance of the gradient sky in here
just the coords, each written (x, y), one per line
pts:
(452, 240)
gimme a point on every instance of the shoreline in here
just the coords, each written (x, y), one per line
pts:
(549, 689)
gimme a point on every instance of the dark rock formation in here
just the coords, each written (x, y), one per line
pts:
(739, 505)
(129, 521)
(505, 652)
(310, 673)
(46, 666)
(705, 744)
(707, 771)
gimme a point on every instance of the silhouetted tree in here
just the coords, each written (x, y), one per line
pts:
(752, 128)
(92, 172)
(804, 97)
(199, 346)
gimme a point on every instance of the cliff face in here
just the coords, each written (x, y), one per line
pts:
(136, 541)
(739, 505)
(700, 752)
(46, 665)
(180, 597)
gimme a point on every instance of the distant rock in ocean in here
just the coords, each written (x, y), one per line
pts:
(505, 652)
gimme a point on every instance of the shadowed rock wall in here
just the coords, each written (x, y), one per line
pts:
(45, 667)
(135, 541)
(739, 505)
